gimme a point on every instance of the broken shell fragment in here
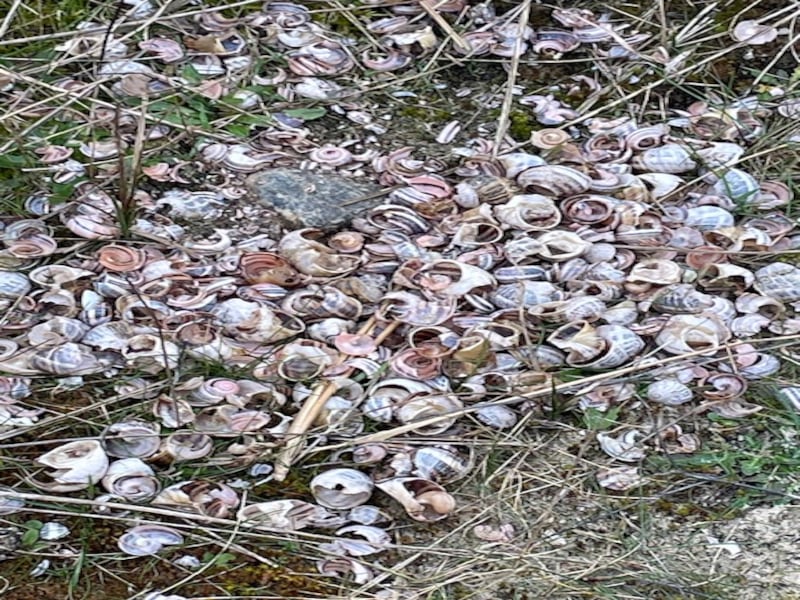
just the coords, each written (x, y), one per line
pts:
(619, 479)
(502, 534)
(52, 531)
(204, 497)
(74, 466)
(754, 33)
(422, 499)
(9, 504)
(285, 515)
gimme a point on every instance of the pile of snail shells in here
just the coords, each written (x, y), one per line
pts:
(597, 266)
(618, 245)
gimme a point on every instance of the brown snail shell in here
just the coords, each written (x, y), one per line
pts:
(121, 259)
(266, 267)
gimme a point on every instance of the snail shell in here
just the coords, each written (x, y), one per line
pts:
(749, 325)
(554, 180)
(113, 335)
(738, 185)
(497, 416)
(374, 540)
(621, 345)
(132, 479)
(764, 366)
(341, 488)
(524, 293)
(121, 259)
(530, 212)
(749, 303)
(266, 267)
(789, 395)
(517, 162)
(67, 359)
(624, 447)
(131, 439)
(619, 478)
(442, 464)
(643, 138)
(148, 540)
(719, 154)
(13, 285)
(708, 217)
(57, 275)
(680, 298)
(520, 273)
(56, 331)
(554, 42)
(182, 446)
(172, 412)
(151, 353)
(580, 339)
(414, 310)
(669, 158)
(422, 407)
(683, 334)
(780, 281)
(670, 392)
(341, 566)
(655, 270)
(213, 391)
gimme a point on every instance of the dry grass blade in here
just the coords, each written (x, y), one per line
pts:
(508, 99)
(9, 17)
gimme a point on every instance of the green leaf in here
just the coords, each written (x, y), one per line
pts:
(30, 537)
(597, 420)
(257, 120)
(750, 467)
(238, 130)
(191, 74)
(76, 572)
(307, 114)
(224, 558)
(218, 560)
(14, 161)
(63, 191)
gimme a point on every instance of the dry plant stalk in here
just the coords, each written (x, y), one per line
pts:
(441, 22)
(295, 436)
(504, 120)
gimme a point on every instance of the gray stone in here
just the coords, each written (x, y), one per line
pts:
(311, 198)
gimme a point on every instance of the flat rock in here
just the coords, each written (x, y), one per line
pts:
(312, 199)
